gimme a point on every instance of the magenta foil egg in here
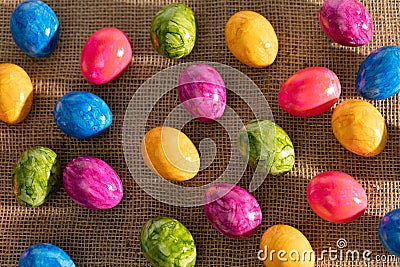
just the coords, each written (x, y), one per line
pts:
(92, 183)
(346, 22)
(232, 210)
(202, 92)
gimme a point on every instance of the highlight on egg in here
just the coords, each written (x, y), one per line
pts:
(336, 197)
(16, 93)
(232, 210)
(251, 39)
(170, 154)
(202, 92)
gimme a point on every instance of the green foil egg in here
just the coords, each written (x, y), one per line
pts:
(36, 176)
(173, 31)
(166, 242)
(266, 147)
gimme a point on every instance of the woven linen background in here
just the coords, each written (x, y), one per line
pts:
(111, 237)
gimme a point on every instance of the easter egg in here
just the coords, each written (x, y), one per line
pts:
(45, 255)
(105, 55)
(251, 39)
(173, 31)
(309, 92)
(166, 242)
(36, 176)
(285, 246)
(359, 127)
(16, 93)
(35, 28)
(336, 197)
(170, 154)
(202, 92)
(92, 183)
(82, 115)
(346, 22)
(389, 232)
(266, 147)
(378, 76)
(232, 210)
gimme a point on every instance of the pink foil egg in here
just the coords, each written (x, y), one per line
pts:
(92, 183)
(336, 197)
(232, 210)
(346, 22)
(309, 92)
(202, 92)
(105, 55)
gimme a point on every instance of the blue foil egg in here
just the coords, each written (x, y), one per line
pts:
(389, 232)
(379, 76)
(35, 28)
(45, 255)
(82, 115)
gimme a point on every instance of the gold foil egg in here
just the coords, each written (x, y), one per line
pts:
(16, 93)
(285, 246)
(251, 39)
(359, 127)
(170, 154)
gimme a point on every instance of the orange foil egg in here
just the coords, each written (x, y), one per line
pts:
(251, 39)
(170, 154)
(285, 246)
(359, 127)
(16, 93)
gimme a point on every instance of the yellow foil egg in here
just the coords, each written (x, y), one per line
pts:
(251, 39)
(170, 153)
(16, 93)
(285, 246)
(359, 127)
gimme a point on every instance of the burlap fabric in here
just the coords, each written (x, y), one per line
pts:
(111, 238)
